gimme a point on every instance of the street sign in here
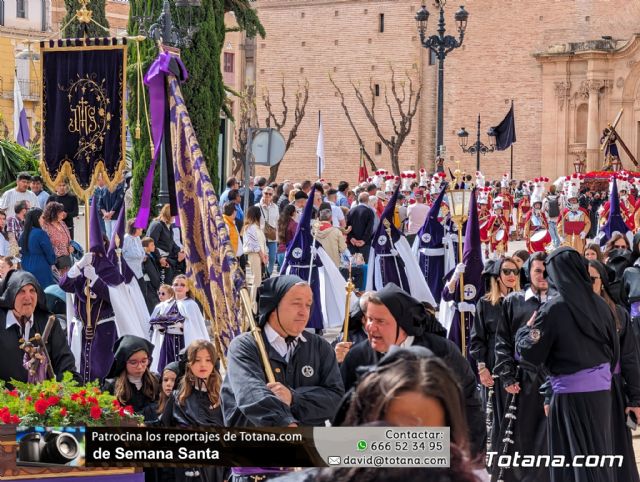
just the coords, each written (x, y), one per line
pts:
(267, 146)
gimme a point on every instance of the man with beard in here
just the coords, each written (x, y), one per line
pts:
(393, 317)
(23, 315)
(573, 335)
(522, 379)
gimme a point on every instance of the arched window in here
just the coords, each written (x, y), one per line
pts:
(21, 8)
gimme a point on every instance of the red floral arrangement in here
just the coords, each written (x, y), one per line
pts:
(62, 403)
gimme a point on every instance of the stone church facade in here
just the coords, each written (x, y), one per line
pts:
(569, 66)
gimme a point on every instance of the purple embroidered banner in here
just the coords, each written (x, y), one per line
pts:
(212, 264)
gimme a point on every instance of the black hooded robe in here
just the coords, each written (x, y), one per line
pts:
(482, 349)
(530, 427)
(12, 356)
(574, 332)
(197, 411)
(626, 393)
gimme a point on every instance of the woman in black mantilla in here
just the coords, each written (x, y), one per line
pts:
(574, 336)
(626, 376)
(196, 401)
(501, 277)
(130, 379)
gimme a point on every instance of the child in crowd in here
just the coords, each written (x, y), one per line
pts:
(130, 379)
(196, 401)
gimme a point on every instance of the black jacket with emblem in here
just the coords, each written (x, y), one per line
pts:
(312, 375)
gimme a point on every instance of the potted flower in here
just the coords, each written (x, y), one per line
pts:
(62, 403)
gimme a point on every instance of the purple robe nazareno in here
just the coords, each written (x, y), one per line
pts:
(95, 355)
(173, 342)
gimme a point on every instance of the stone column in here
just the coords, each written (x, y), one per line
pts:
(592, 89)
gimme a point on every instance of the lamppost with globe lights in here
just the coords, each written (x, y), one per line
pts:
(477, 147)
(441, 45)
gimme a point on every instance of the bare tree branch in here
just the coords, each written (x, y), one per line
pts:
(302, 97)
(401, 121)
(353, 127)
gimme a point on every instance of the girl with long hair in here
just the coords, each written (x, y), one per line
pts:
(168, 381)
(625, 383)
(53, 224)
(37, 252)
(130, 379)
(176, 323)
(592, 251)
(196, 400)
(287, 227)
(254, 246)
(501, 278)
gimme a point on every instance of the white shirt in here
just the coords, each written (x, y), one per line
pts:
(11, 320)
(133, 253)
(336, 215)
(12, 196)
(530, 294)
(278, 343)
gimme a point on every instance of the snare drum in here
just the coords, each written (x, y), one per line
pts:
(500, 235)
(539, 240)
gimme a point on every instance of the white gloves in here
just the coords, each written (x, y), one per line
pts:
(460, 269)
(90, 273)
(86, 260)
(464, 307)
(583, 235)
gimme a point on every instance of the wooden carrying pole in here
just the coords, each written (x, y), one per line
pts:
(257, 334)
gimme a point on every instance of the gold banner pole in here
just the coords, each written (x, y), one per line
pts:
(257, 334)
(349, 287)
(87, 288)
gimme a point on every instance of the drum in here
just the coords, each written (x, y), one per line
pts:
(539, 240)
(500, 235)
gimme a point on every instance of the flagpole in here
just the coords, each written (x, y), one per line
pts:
(511, 169)
(319, 161)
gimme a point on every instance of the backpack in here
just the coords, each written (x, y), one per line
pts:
(553, 208)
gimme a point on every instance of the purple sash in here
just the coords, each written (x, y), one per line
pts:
(594, 379)
(617, 370)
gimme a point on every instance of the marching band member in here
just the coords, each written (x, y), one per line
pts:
(507, 201)
(536, 226)
(483, 218)
(524, 207)
(498, 229)
(574, 222)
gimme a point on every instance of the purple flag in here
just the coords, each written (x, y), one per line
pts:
(431, 248)
(211, 262)
(301, 261)
(615, 222)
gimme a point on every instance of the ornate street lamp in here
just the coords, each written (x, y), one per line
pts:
(477, 147)
(441, 45)
(578, 166)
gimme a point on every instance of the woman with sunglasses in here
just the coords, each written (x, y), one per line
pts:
(176, 323)
(625, 378)
(501, 277)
